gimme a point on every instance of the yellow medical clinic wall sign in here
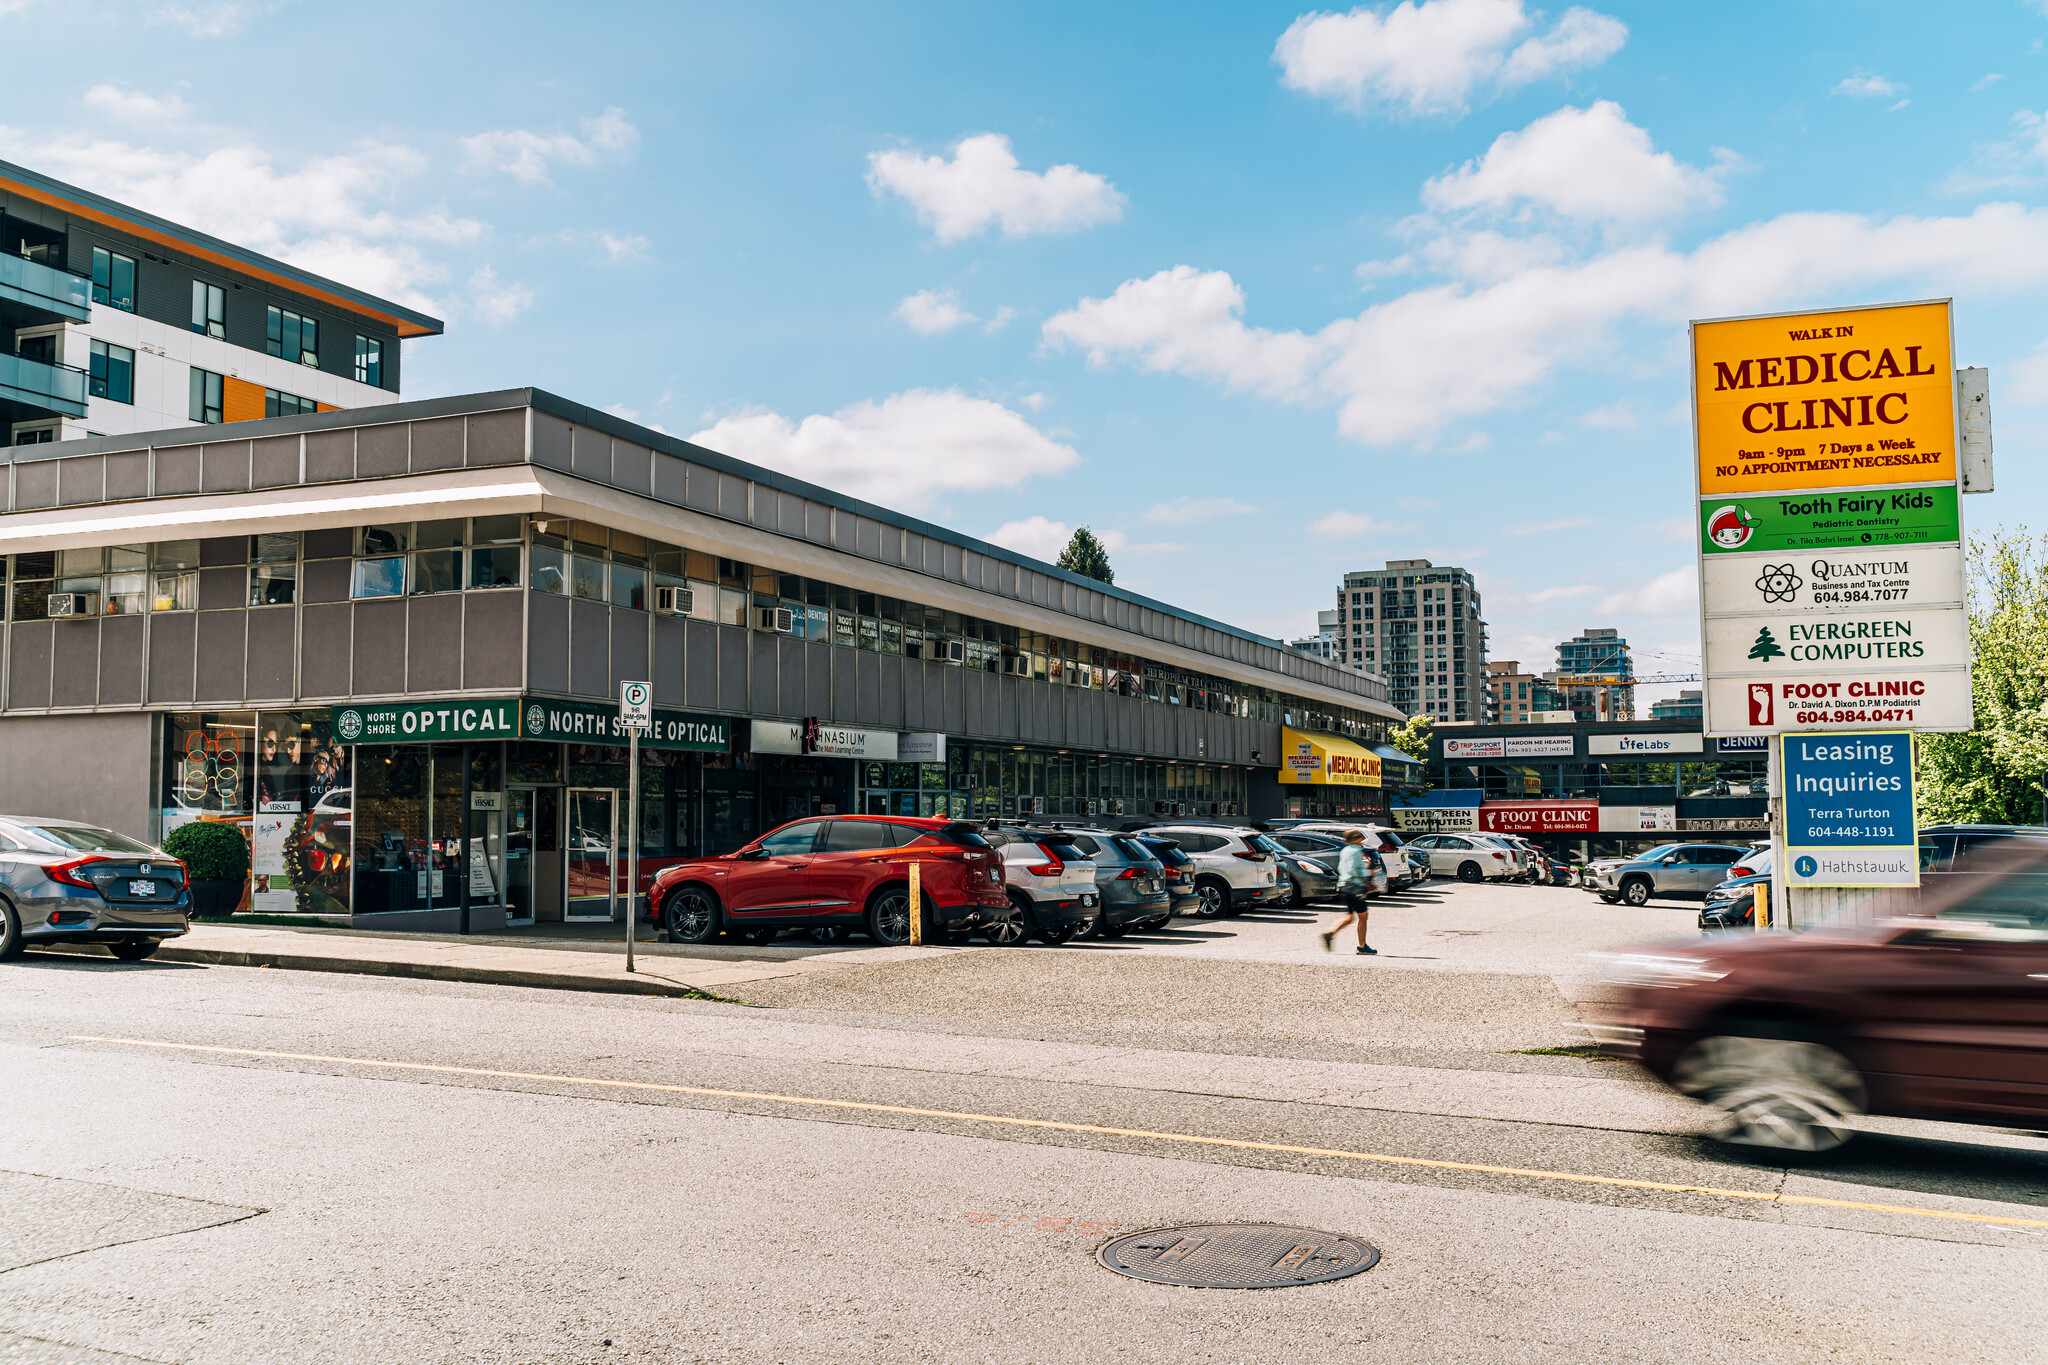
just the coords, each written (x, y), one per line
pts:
(1326, 761)
(1847, 398)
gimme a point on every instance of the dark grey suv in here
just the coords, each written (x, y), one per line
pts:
(1130, 879)
(62, 881)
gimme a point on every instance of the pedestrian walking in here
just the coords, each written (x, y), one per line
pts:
(1359, 870)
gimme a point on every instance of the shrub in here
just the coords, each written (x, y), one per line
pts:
(211, 850)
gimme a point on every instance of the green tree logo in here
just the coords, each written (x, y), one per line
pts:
(1766, 647)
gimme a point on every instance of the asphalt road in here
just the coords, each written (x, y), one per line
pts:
(918, 1162)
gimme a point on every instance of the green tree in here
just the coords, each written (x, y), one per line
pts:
(1085, 556)
(1766, 646)
(1412, 739)
(1998, 772)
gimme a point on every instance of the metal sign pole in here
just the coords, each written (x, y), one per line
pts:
(1776, 906)
(463, 894)
(632, 835)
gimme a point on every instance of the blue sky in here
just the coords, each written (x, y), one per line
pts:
(1263, 294)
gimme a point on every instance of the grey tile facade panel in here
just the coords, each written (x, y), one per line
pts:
(913, 551)
(764, 691)
(843, 708)
(632, 467)
(892, 544)
(379, 651)
(75, 667)
(547, 642)
(970, 568)
(671, 479)
(817, 523)
(82, 480)
(817, 678)
(329, 543)
(667, 667)
(550, 441)
(702, 492)
(843, 530)
(274, 462)
(629, 648)
(325, 650)
(590, 455)
(382, 451)
(956, 698)
(497, 438)
(330, 456)
(222, 588)
(590, 649)
(972, 719)
(789, 512)
(437, 444)
(225, 468)
(35, 484)
(177, 470)
(700, 665)
(791, 656)
(890, 715)
(949, 563)
(121, 647)
(433, 643)
(732, 668)
(323, 580)
(170, 655)
(219, 550)
(1006, 579)
(493, 647)
(732, 497)
(867, 688)
(273, 649)
(28, 665)
(127, 475)
(913, 695)
(867, 538)
(223, 656)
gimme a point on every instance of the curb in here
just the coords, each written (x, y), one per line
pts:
(419, 971)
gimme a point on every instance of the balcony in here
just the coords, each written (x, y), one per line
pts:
(45, 290)
(37, 384)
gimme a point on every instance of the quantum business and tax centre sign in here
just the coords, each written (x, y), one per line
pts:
(1829, 526)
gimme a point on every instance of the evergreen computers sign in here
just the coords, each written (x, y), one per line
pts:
(1830, 536)
(1849, 818)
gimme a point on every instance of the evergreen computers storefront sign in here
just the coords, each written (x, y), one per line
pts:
(1849, 818)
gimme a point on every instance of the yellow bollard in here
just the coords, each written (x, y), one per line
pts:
(916, 908)
(1762, 915)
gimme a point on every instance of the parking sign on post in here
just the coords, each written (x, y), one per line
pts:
(636, 704)
(636, 714)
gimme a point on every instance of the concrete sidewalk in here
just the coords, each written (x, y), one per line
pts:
(504, 960)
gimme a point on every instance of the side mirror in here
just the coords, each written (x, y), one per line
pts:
(754, 854)
(1668, 859)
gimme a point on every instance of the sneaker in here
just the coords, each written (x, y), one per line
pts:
(1326, 941)
(1369, 952)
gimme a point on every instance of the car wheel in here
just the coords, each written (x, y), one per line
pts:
(1469, 872)
(889, 917)
(1636, 892)
(1789, 1094)
(1288, 898)
(1007, 932)
(134, 949)
(690, 916)
(10, 932)
(1215, 898)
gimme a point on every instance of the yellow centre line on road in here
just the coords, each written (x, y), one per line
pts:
(1055, 1125)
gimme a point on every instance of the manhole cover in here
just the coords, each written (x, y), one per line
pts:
(1237, 1256)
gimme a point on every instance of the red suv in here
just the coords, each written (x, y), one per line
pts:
(837, 873)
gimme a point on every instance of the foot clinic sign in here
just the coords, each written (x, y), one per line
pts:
(1849, 817)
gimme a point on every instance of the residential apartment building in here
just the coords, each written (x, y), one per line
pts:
(114, 321)
(1601, 655)
(1687, 705)
(1417, 625)
(1325, 644)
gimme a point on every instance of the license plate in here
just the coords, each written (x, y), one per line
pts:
(142, 888)
(1087, 900)
(1152, 887)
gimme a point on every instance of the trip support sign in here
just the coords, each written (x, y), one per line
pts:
(1849, 818)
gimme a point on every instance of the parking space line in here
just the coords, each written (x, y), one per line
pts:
(1056, 1125)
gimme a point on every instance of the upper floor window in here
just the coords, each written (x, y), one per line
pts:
(113, 372)
(292, 336)
(277, 404)
(209, 309)
(113, 279)
(369, 361)
(206, 396)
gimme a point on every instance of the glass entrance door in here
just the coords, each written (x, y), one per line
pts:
(590, 854)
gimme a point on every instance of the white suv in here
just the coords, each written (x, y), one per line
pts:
(1234, 866)
(1468, 857)
(1051, 882)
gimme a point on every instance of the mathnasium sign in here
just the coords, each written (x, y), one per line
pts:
(1838, 399)
(1849, 817)
(1776, 523)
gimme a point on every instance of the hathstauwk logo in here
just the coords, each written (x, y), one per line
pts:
(1777, 523)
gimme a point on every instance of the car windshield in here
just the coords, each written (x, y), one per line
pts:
(967, 836)
(85, 839)
(1656, 852)
(1263, 844)
(1132, 849)
(1166, 853)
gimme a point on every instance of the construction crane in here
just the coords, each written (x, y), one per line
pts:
(1617, 680)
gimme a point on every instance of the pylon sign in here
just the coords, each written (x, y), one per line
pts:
(1829, 526)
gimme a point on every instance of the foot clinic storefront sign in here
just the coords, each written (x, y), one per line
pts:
(1849, 817)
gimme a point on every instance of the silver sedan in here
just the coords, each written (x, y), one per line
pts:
(63, 881)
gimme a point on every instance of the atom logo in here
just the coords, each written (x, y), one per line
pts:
(1778, 583)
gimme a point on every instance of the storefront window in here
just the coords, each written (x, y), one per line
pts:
(548, 571)
(586, 578)
(391, 829)
(302, 830)
(383, 577)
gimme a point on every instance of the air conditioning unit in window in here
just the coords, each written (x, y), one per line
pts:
(1019, 665)
(672, 601)
(72, 604)
(952, 651)
(777, 619)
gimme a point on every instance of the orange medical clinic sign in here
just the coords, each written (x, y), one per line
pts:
(1841, 399)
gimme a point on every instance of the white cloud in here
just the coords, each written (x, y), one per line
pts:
(10, 8)
(133, 106)
(1406, 369)
(2025, 380)
(933, 312)
(496, 303)
(622, 246)
(330, 214)
(1004, 316)
(1433, 58)
(1864, 86)
(1184, 510)
(1615, 416)
(905, 450)
(1985, 81)
(1590, 165)
(1034, 401)
(213, 18)
(1043, 538)
(1340, 524)
(984, 187)
(1668, 594)
(526, 156)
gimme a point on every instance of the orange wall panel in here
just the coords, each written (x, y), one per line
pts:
(241, 401)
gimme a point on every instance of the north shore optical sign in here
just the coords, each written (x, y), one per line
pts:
(537, 718)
